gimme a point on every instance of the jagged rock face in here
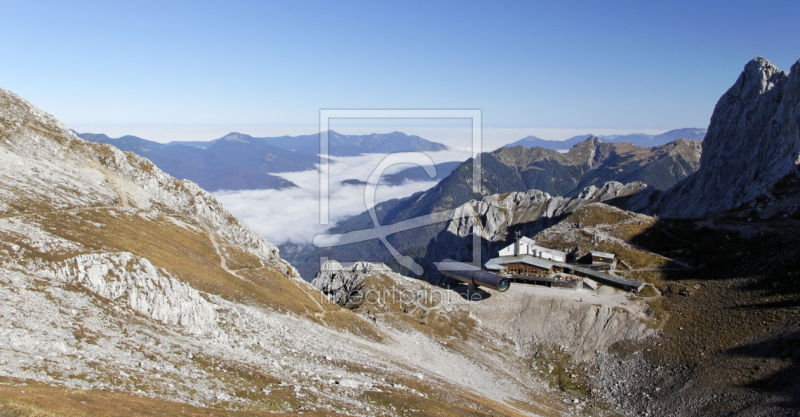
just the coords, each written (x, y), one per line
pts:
(497, 215)
(753, 141)
(142, 287)
(340, 284)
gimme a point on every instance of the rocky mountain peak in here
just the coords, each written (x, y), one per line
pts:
(594, 140)
(758, 77)
(752, 142)
(589, 152)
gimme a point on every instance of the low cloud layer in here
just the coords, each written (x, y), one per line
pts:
(292, 215)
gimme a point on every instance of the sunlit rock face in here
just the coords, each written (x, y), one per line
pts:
(753, 141)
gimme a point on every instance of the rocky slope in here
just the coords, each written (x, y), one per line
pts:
(753, 141)
(554, 332)
(140, 292)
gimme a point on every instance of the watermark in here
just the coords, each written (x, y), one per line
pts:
(446, 298)
(379, 231)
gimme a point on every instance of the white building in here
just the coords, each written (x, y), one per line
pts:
(525, 246)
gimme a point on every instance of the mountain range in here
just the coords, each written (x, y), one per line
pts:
(511, 169)
(638, 139)
(342, 145)
(242, 162)
(234, 162)
(353, 145)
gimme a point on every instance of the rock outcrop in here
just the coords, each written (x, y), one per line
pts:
(140, 286)
(496, 216)
(342, 284)
(753, 141)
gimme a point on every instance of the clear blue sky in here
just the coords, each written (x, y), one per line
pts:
(592, 64)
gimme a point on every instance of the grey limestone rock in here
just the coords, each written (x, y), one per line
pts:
(529, 211)
(753, 141)
(342, 284)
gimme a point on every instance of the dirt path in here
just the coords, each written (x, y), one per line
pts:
(321, 309)
(222, 261)
(224, 264)
(114, 182)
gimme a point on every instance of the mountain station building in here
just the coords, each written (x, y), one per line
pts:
(525, 261)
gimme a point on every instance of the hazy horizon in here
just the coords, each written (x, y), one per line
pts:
(493, 137)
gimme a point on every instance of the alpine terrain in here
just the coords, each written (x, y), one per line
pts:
(128, 291)
(590, 163)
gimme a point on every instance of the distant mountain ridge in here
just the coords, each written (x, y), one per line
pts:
(354, 145)
(242, 162)
(344, 145)
(638, 139)
(234, 162)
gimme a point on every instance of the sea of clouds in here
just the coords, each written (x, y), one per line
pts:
(293, 215)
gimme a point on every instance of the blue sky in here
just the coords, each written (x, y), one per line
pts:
(637, 65)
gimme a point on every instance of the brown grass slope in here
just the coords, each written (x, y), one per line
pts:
(727, 307)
